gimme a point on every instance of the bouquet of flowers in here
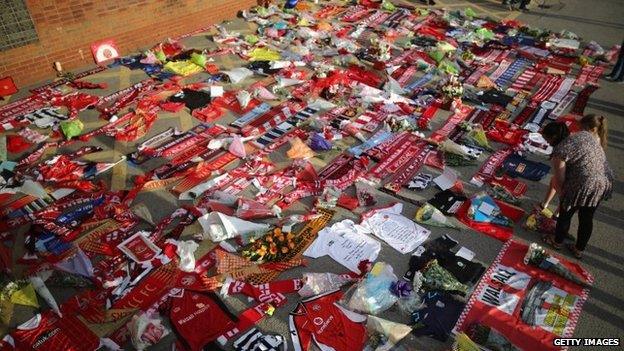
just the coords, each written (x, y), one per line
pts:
(453, 88)
(476, 136)
(500, 193)
(271, 247)
(540, 222)
(427, 214)
(435, 277)
(539, 257)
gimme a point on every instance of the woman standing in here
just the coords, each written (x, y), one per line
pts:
(582, 177)
(557, 132)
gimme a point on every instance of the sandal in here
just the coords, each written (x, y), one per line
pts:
(578, 254)
(548, 239)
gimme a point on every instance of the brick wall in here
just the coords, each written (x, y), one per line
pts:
(66, 28)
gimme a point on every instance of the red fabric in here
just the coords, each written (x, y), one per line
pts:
(512, 287)
(348, 202)
(496, 231)
(506, 132)
(53, 333)
(77, 84)
(322, 321)
(62, 170)
(172, 106)
(370, 3)
(514, 186)
(359, 74)
(197, 311)
(17, 144)
(75, 102)
(572, 122)
(435, 159)
(272, 292)
(6, 258)
(7, 86)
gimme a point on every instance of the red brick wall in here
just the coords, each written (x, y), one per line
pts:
(66, 28)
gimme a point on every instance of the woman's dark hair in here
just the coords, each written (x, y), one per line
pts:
(556, 132)
(599, 123)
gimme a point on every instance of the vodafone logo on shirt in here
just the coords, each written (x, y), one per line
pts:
(104, 50)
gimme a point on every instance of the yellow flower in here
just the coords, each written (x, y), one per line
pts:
(277, 231)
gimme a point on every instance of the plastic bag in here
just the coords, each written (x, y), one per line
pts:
(318, 283)
(386, 334)
(186, 252)
(146, 330)
(372, 295)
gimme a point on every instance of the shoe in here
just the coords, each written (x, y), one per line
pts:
(609, 78)
(523, 9)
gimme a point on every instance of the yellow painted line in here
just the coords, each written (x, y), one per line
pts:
(317, 162)
(102, 156)
(124, 77)
(6, 100)
(120, 171)
(5, 316)
(186, 121)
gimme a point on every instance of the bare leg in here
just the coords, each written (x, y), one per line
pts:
(550, 194)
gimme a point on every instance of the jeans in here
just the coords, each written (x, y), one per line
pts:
(618, 69)
(586, 225)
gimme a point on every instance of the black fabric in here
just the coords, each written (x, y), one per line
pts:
(438, 317)
(494, 96)
(447, 201)
(585, 227)
(262, 67)
(191, 98)
(465, 271)
(518, 166)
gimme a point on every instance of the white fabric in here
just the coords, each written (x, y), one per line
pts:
(398, 231)
(346, 243)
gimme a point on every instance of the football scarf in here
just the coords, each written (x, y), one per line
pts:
(582, 99)
(451, 123)
(512, 289)
(502, 68)
(563, 105)
(504, 79)
(548, 88)
(43, 88)
(409, 169)
(490, 166)
(523, 80)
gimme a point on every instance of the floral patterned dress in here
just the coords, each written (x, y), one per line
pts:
(588, 177)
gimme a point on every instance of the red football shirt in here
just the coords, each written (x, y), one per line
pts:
(49, 332)
(199, 319)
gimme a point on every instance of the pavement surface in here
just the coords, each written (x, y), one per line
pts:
(603, 313)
